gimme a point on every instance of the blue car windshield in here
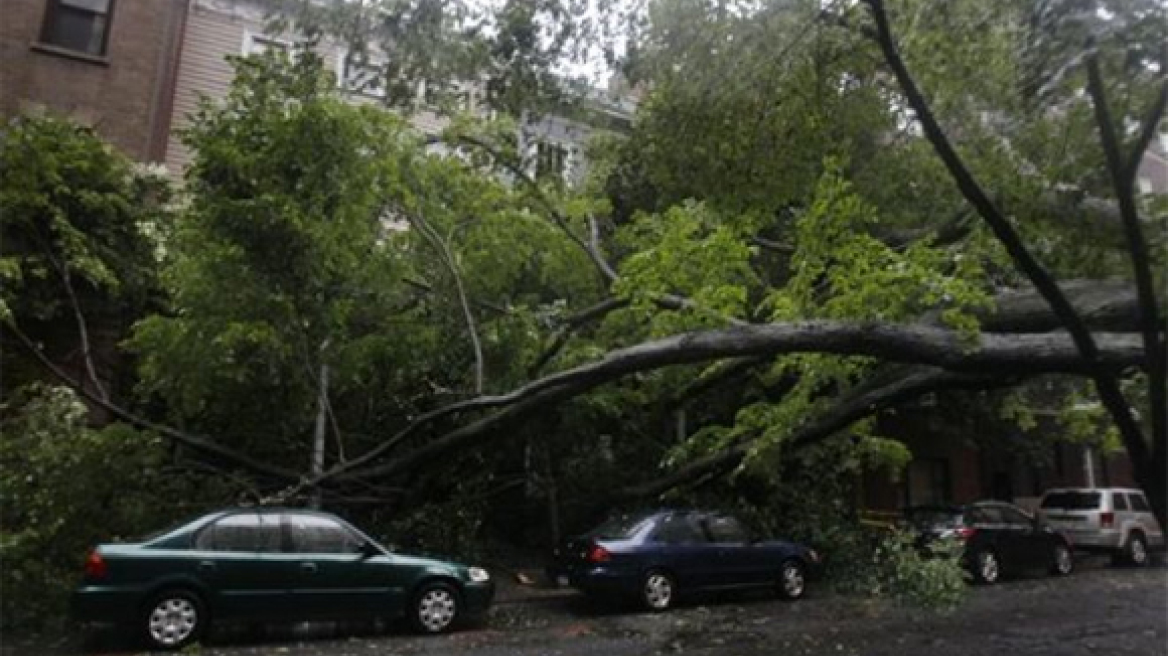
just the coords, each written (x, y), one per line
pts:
(621, 527)
(924, 518)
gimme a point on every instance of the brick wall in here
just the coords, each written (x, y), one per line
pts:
(125, 94)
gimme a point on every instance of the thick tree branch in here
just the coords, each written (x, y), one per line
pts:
(864, 401)
(1123, 183)
(200, 444)
(1108, 388)
(991, 354)
(1150, 123)
(571, 325)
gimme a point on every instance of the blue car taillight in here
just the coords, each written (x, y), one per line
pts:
(598, 554)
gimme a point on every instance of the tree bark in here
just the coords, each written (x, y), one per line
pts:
(1123, 182)
(989, 354)
(909, 383)
(1105, 382)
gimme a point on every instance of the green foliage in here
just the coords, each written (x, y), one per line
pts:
(687, 251)
(67, 486)
(898, 570)
(74, 212)
(283, 258)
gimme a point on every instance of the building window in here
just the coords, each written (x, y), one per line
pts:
(360, 77)
(550, 161)
(81, 25)
(257, 44)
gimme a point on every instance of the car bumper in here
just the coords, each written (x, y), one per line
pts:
(104, 605)
(1094, 540)
(602, 580)
(478, 596)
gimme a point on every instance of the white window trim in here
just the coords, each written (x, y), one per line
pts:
(342, 55)
(251, 38)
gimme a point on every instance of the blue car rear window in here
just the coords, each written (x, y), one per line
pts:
(621, 527)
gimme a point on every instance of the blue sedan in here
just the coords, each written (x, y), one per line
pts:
(654, 557)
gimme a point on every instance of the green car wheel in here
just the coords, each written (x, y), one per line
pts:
(436, 608)
(173, 619)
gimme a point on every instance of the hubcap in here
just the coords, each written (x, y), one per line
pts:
(173, 620)
(989, 567)
(436, 610)
(1063, 560)
(658, 591)
(1138, 552)
(793, 580)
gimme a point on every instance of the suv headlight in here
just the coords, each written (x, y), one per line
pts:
(478, 574)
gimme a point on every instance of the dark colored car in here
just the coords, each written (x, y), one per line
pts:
(269, 564)
(996, 538)
(655, 556)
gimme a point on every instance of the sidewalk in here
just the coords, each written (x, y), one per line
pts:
(526, 585)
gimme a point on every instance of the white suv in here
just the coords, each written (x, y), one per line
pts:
(1109, 520)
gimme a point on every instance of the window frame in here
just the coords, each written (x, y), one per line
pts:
(1015, 516)
(262, 517)
(1138, 502)
(687, 520)
(551, 160)
(255, 43)
(291, 543)
(54, 8)
(1120, 502)
(743, 533)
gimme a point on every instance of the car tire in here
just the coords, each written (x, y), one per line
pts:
(792, 582)
(1062, 560)
(985, 567)
(173, 619)
(658, 591)
(435, 608)
(1135, 552)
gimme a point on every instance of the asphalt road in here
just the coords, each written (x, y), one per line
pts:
(1098, 611)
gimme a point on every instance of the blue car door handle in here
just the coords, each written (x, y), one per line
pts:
(308, 568)
(206, 566)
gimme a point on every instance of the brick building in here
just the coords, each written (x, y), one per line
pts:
(108, 63)
(956, 464)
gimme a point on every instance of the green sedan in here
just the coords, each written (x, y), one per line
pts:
(269, 564)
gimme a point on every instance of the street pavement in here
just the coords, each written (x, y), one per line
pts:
(1098, 611)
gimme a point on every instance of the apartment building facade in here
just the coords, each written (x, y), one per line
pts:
(111, 64)
(215, 29)
(135, 71)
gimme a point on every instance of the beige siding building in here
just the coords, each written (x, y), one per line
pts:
(217, 29)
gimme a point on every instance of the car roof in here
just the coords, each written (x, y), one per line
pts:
(935, 507)
(1092, 489)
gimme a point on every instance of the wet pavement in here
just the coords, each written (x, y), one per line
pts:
(1098, 611)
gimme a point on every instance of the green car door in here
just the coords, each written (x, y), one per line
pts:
(339, 573)
(237, 558)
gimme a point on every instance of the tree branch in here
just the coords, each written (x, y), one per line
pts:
(1150, 123)
(443, 249)
(989, 354)
(1108, 388)
(201, 444)
(862, 402)
(1122, 181)
(571, 325)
